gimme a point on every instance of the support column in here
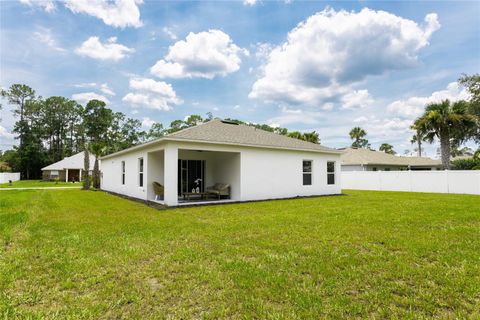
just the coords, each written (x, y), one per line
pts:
(170, 167)
(80, 176)
(66, 175)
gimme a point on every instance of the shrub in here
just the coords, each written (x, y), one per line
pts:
(466, 164)
(4, 167)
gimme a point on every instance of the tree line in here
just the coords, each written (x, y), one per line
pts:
(450, 123)
(50, 129)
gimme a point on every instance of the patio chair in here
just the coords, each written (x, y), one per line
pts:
(219, 190)
(159, 190)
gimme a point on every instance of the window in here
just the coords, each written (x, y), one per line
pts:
(387, 169)
(307, 172)
(330, 172)
(123, 172)
(374, 168)
(54, 173)
(140, 172)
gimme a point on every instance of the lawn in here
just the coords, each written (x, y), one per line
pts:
(39, 184)
(85, 254)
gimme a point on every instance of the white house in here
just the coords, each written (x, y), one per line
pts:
(245, 162)
(67, 169)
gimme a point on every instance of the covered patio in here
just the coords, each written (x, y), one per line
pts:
(182, 176)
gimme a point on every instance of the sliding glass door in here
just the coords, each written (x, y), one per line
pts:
(191, 176)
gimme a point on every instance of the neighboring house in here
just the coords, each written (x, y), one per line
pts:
(253, 163)
(68, 169)
(353, 159)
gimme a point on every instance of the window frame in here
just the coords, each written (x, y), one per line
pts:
(141, 169)
(331, 173)
(304, 173)
(122, 165)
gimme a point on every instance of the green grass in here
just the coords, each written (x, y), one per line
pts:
(39, 184)
(84, 254)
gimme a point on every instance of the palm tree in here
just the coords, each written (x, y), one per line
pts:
(445, 121)
(387, 148)
(295, 135)
(417, 138)
(357, 134)
(311, 137)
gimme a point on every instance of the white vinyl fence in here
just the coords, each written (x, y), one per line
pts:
(460, 181)
(5, 176)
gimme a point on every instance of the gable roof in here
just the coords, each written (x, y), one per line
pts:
(72, 162)
(353, 156)
(227, 132)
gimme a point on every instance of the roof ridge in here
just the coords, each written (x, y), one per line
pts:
(284, 136)
(188, 128)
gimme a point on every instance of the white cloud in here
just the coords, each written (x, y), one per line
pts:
(118, 13)
(169, 32)
(289, 116)
(85, 85)
(45, 36)
(111, 50)
(203, 55)
(104, 88)
(85, 97)
(414, 106)
(5, 134)
(383, 128)
(250, 3)
(47, 5)
(147, 122)
(151, 94)
(361, 119)
(356, 99)
(331, 52)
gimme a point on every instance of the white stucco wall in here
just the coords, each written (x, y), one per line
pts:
(253, 173)
(268, 174)
(112, 174)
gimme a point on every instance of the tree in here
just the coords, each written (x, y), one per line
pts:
(456, 151)
(97, 121)
(18, 95)
(86, 169)
(30, 157)
(357, 134)
(417, 138)
(445, 121)
(311, 137)
(58, 117)
(193, 120)
(472, 83)
(295, 135)
(387, 148)
(155, 132)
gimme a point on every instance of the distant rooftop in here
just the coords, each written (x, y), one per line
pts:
(72, 162)
(353, 156)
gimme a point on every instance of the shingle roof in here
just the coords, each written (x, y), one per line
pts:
(353, 156)
(72, 162)
(226, 132)
(231, 133)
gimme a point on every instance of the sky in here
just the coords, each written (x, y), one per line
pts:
(323, 66)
